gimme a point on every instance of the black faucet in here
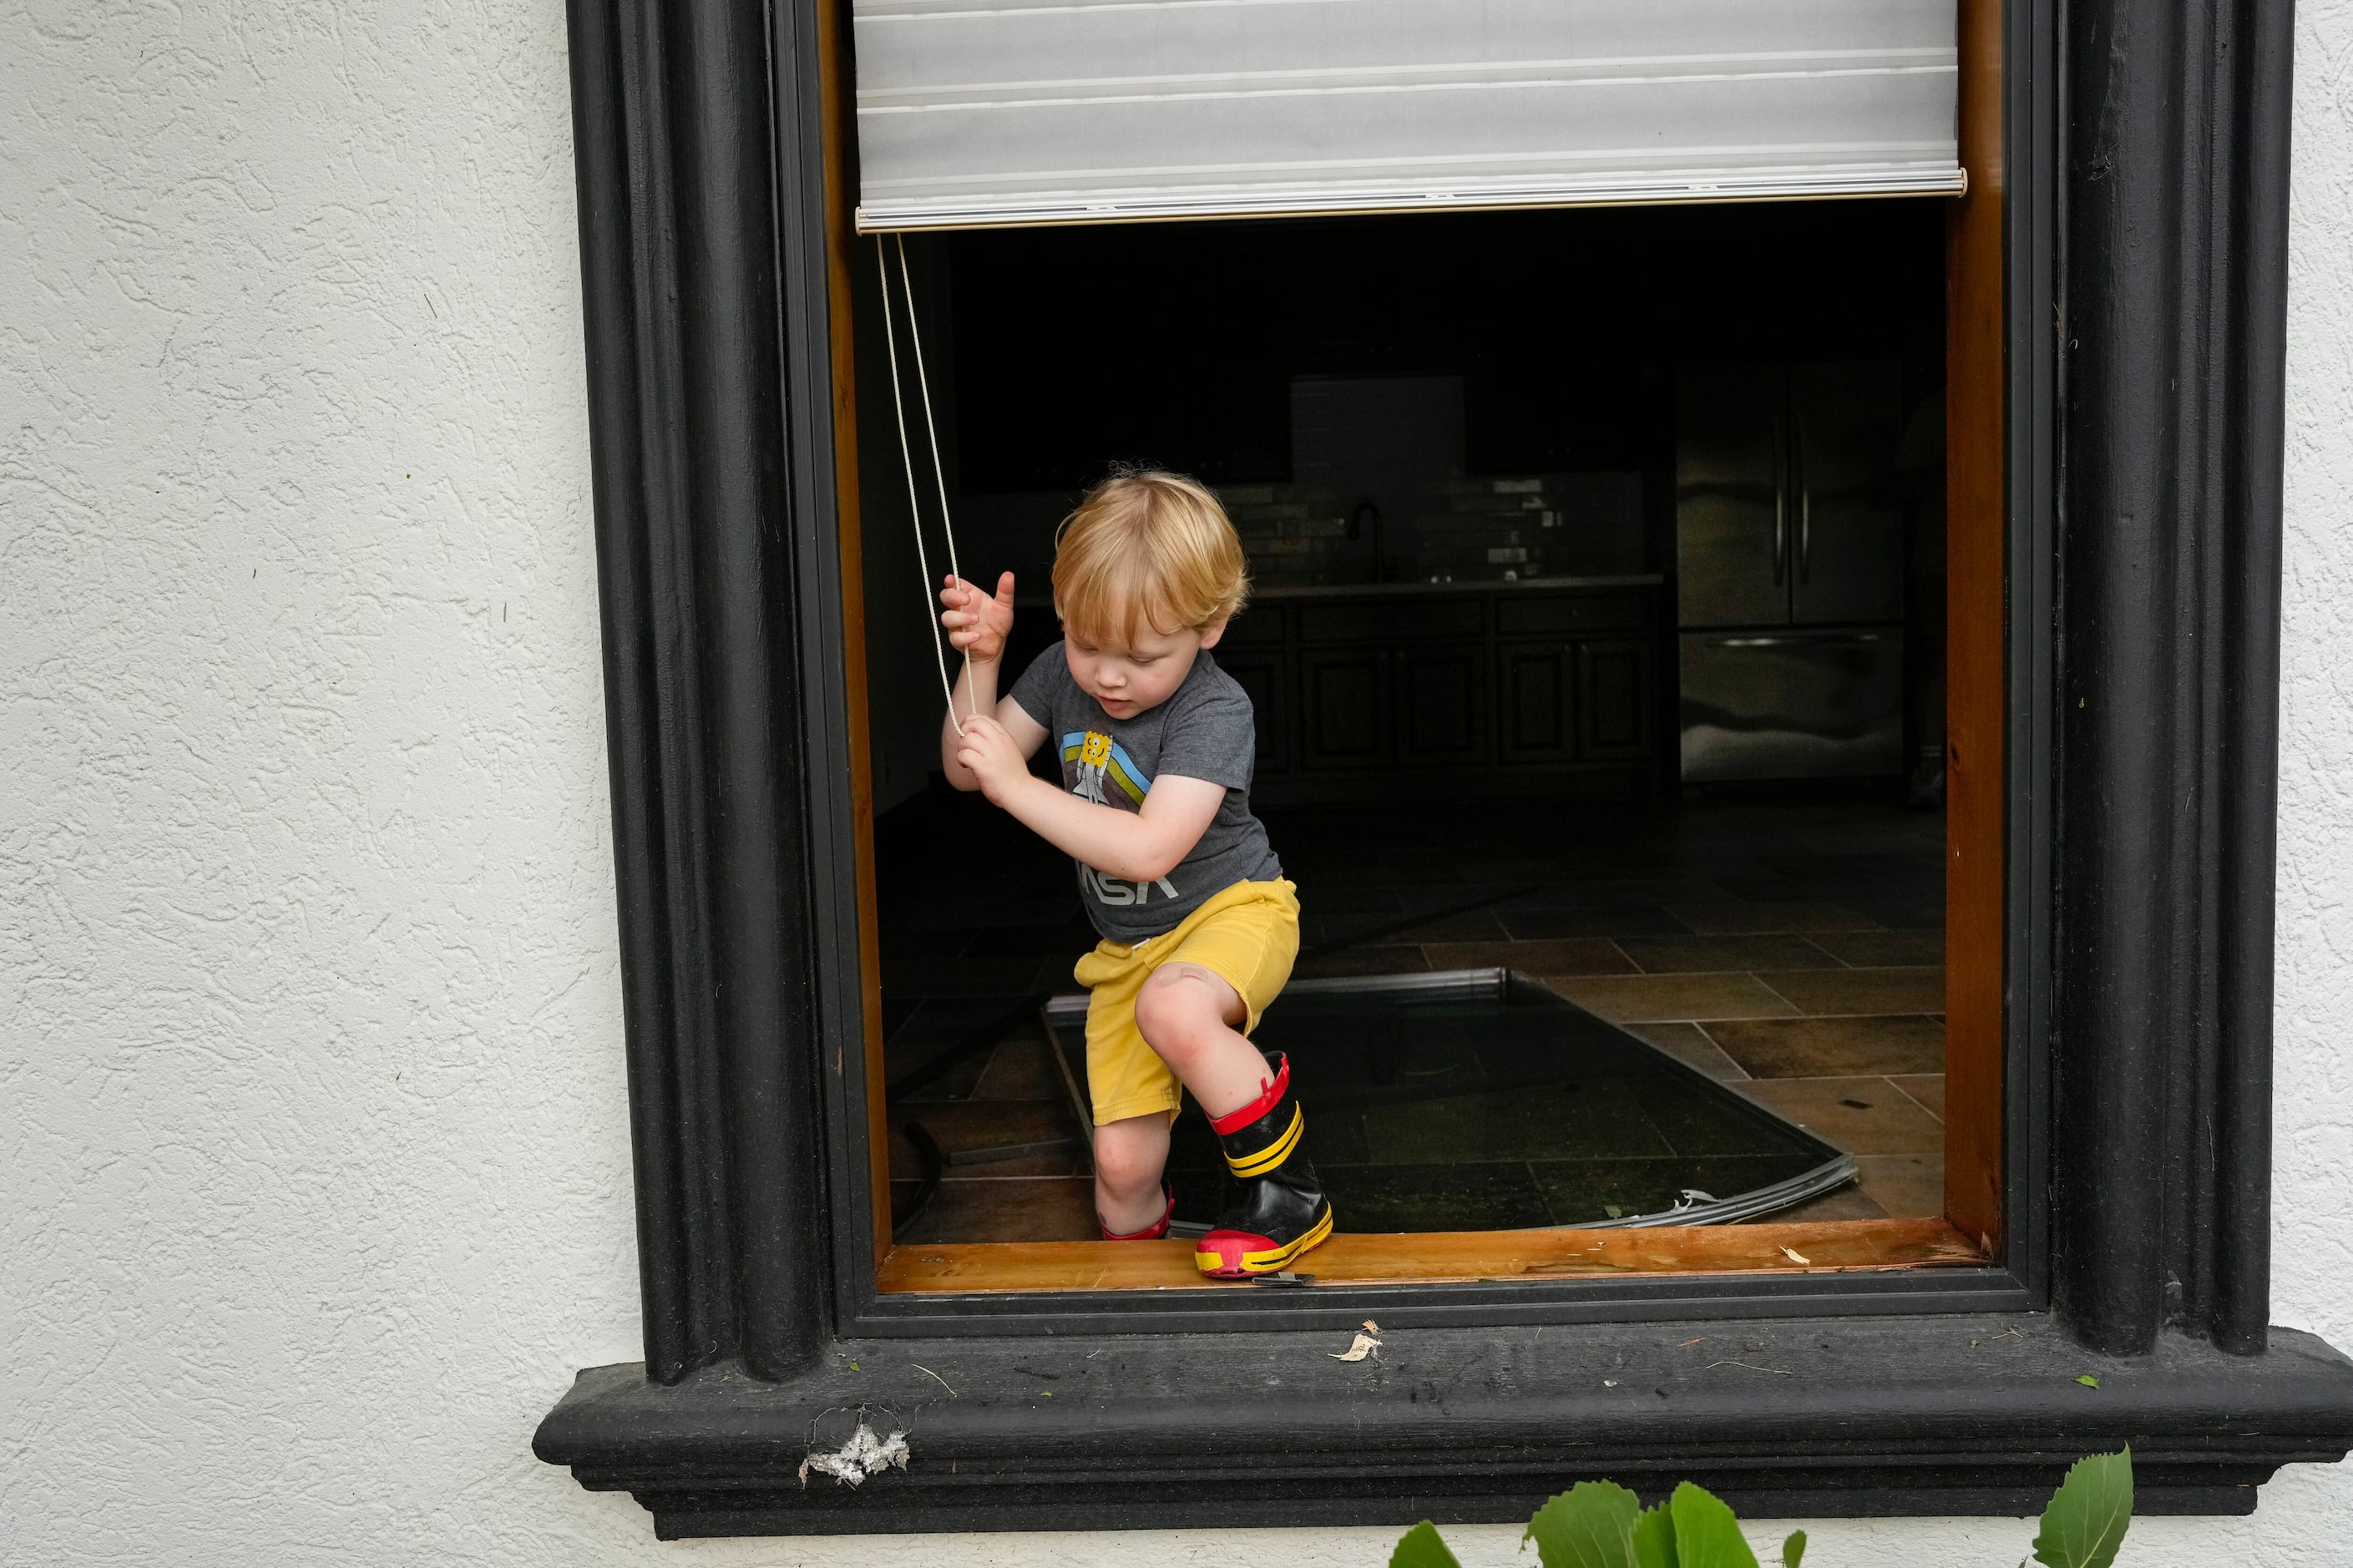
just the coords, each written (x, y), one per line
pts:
(1368, 516)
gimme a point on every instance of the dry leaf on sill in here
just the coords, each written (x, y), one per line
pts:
(1363, 1345)
(1794, 1256)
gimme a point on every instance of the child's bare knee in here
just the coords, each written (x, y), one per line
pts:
(1123, 1160)
(1181, 1003)
(1162, 1012)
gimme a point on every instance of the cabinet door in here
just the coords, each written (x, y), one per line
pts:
(1614, 700)
(1537, 716)
(1439, 703)
(1259, 672)
(1846, 559)
(1732, 522)
(1345, 703)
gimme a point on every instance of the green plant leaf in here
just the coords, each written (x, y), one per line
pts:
(1706, 1534)
(2087, 1380)
(1591, 1525)
(1422, 1548)
(1793, 1550)
(1654, 1539)
(2088, 1514)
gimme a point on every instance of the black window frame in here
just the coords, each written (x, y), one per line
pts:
(2145, 242)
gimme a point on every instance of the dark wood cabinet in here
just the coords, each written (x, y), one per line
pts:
(1615, 699)
(1260, 672)
(1439, 706)
(1539, 715)
(1345, 701)
(1459, 693)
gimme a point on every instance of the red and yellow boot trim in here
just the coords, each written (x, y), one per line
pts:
(1274, 1153)
(1268, 1145)
(1270, 1093)
(1233, 1254)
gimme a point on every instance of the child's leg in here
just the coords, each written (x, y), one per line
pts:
(1187, 1014)
(1130, 1156)
(1192, 1018)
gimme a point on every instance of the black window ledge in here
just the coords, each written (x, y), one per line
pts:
(1831, 1418)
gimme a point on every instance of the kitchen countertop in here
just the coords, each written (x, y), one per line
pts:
(1461, 586)
(1286, 593)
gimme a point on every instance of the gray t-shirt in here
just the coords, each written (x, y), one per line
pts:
(1203, 731)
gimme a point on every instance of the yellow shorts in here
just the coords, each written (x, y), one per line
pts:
(1247, 936)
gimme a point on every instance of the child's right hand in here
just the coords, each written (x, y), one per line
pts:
(977, 625)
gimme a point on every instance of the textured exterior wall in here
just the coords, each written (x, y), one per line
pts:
(310, 1097)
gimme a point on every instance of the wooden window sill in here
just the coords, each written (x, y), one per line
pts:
(1832, 1247)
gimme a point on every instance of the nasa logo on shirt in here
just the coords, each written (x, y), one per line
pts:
(1110, 889)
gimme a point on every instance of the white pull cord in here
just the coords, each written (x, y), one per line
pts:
(923, 387)
(907, 458)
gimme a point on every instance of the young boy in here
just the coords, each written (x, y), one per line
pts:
(1199, 926)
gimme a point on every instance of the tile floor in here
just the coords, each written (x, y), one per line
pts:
(1793, 948)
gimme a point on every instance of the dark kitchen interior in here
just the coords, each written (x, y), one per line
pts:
(1597, 637)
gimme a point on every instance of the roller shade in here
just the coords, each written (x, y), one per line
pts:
(982, 112)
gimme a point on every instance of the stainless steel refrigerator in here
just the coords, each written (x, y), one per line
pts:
(1789, 571)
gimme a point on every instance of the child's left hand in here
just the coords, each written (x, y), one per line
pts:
(994, 759)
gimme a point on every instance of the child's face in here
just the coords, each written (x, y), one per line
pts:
(1133, 676)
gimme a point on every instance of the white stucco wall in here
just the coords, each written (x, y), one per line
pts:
(311, 1096)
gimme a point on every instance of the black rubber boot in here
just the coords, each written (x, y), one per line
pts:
(1282, 1210)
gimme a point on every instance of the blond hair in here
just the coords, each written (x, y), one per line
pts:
(1147, 546)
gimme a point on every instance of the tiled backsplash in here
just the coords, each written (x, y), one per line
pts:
(1539, 525)
(1547, 525)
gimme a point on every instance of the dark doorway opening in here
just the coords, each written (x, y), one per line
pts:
(1484, 466)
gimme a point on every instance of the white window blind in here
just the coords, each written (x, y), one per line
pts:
(978, 113)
